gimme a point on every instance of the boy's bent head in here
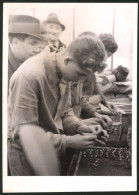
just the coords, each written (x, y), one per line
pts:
(82, 57)
(87, 50)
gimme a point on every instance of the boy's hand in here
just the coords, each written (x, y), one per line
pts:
(104, 109)
(95, 129)
(81, 142)
(99, 131)
(114, 109)
(105, 120)
(92, 121)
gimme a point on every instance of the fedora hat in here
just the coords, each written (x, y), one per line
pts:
(24, 24)
(121, 73)
(123, 70)
(53, 18)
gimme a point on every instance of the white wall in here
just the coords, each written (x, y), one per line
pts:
(123, 32)
(94, 17)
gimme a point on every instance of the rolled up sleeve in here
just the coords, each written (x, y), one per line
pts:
(70, 122)
(59, 142)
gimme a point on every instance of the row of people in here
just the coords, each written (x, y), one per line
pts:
(45, 86)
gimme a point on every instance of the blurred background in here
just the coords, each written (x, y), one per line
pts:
(119, 19)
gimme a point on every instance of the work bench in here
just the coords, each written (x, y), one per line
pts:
(114, 159)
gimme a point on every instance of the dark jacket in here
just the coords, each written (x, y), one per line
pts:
(60, 47)
(13, 64)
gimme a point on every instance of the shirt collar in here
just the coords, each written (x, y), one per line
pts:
(50, 66)
(51, 44)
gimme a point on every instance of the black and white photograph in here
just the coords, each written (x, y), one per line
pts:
(69, 97)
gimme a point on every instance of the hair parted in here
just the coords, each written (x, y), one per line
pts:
(109, 42)
(87, 50)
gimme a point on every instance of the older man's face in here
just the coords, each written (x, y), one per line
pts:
(52, 31)
(28, 47)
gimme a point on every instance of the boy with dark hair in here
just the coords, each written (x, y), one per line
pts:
(40, 99)
(109, 43)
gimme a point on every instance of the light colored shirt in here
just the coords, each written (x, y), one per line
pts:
(34, 98)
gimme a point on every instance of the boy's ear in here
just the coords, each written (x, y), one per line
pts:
(67, 60)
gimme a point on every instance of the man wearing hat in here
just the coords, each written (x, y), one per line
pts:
(121, 73)
(52, 29)
(25, 41)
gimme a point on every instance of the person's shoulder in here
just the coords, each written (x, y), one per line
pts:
(34, 65)
(34, 61)
(34, 68)
(31, 69)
